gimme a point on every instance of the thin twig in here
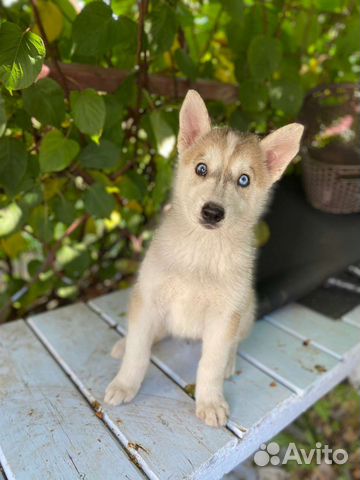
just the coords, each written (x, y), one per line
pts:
(142, 82)
(129, 166)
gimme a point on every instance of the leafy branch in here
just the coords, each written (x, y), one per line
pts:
(87, 139)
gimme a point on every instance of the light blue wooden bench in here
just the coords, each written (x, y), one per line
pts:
(54, 368)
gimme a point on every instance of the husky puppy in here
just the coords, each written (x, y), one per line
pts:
(196, 280)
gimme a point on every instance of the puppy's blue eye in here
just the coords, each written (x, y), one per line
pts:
(201, 169)
(244, 180)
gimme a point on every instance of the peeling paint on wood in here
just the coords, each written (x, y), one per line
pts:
(159, 431)
(42, 429)
(81, 342)
(285, 357)
(331, 336)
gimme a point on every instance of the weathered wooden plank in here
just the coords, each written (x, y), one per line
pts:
(47, 429)
(353, 317)
(114, 306)
(335, 337)
(2, 475)
(292, 361)
(159, 426)
(250, 392)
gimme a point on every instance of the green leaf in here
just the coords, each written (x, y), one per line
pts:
(264, 56)
(33, 267)
(31, 173)
(235, 8)
(240, 120)
(253, 96)
(13, 162)
(96, 32)
(70, 292)
(125, 34)
(185, 64)
(89, 111)
(52, 20)
(287, 95)
(184, 15)
(105, 155)
(64, 210)
(45, 101)
(162, 187)
(20, 119)
(163, 27)
(307, 31)
(113, 120)
(75, 259)
(57, 152)
(10, 219)
(21, 56)
(122, 7)
(330, 5)
(3, 118)
(348, 42)
(31, 199)
(129, 189)
(98, 202)
(41, 288)
(164, 134)
(67, 9)
(126, 93)
(14, 245)
(92, 29)
(41, 223)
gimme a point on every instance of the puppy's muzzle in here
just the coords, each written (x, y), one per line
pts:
(211, 214)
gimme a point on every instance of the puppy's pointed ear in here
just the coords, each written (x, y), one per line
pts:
(280, 147)
(194, 120)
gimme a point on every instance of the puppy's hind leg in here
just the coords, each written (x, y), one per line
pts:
(143, 321)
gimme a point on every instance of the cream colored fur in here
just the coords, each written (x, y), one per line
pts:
(197, 282)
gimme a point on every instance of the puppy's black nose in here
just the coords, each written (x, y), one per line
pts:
(212, 213)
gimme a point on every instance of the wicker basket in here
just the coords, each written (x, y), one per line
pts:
(331, 175)
(330, 187)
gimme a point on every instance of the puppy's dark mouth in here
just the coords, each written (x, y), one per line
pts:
(209, 226)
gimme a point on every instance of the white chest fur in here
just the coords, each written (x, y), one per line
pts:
(195, 279)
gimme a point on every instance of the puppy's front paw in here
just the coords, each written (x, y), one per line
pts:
(118, 349)
(118, 392)
(214, 413)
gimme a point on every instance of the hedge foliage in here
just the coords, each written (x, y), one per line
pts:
(83, 173)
